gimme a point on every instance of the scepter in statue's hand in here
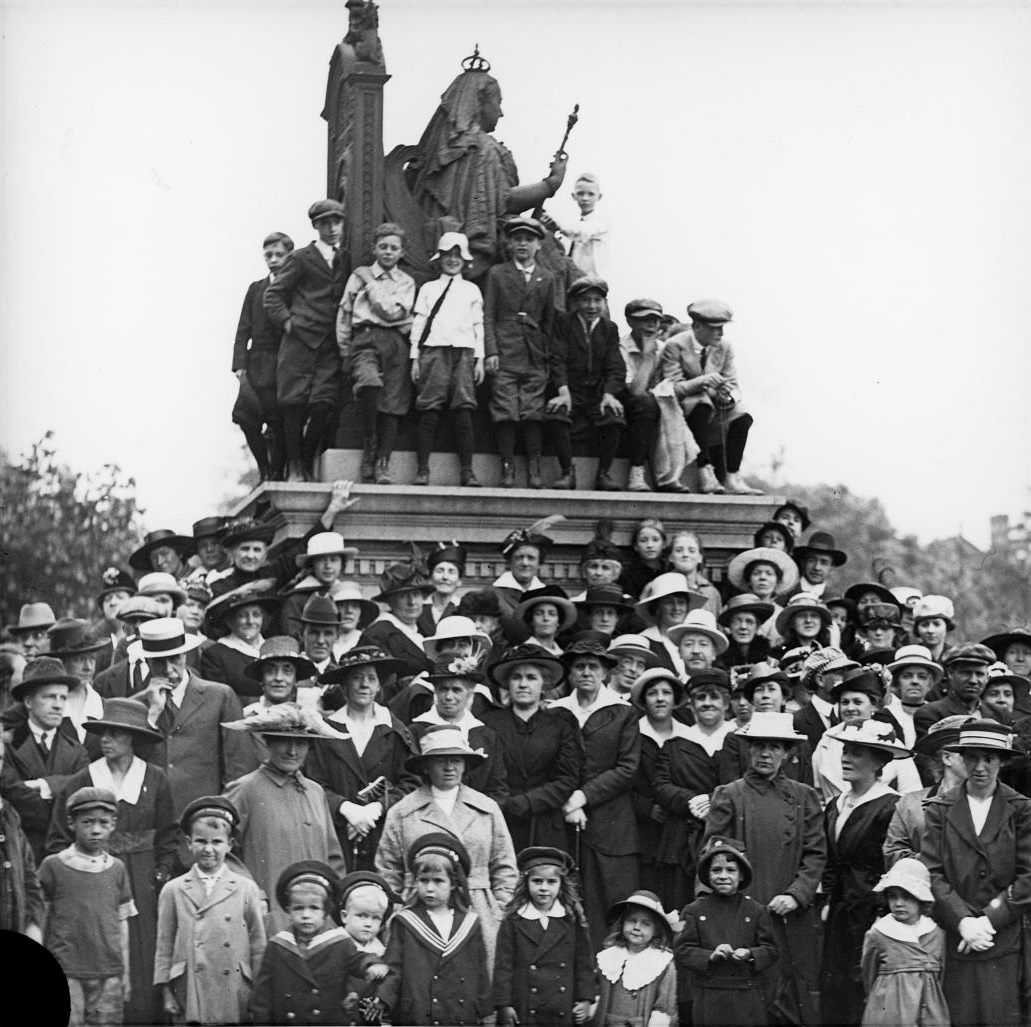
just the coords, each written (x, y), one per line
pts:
(557, 170)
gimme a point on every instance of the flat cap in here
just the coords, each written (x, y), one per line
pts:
(531, 225)
(713, 312)
(971, 652)
(91, 798)
(325, 209)
(642, 308)
(585, 284)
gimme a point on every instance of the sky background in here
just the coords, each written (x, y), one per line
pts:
(852, 179)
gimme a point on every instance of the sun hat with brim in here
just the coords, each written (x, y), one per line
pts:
(450, 667)
(158, 583)
(737, 569)
(639, 689)
(862, 679)
(83, 799)
(547, 594)
(33, 617)
(933, 607)
(286, 720)
(854, 592)
(871, 734)
(803, 602)
(985, 736)
(1001, 642)
(746, 602)
(710, 677)
(802, 511)
(439, 843)
(71, 637)
(450, 241)
(970, 652)
(280, 649)
(606, 595)
(124, 715)
(903, 594)
(209, 527)
(634, 645)
(885, 615)
(763, 672)
(588, 643)
(359, 657)
(672, 583)
(876, 657)
(451, 627)
(402, 577)
(700, 622)
(247, 531)
(325, 543)
(916, 656)
(217, 806)
(770, 727)
(345, 591)
(313, 873)
(821, 543)
(257, 593)
(721, 845)
(944, 733)
(643, 900)
(443, 740)
(114, 579)
(183, 545)
(846, 604)
(549, 664)
(43, 670)
(165, 636)
(781, 529)
(911, 876)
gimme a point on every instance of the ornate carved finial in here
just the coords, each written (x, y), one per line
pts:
(476, 62)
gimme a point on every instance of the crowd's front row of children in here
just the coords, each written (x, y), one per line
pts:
(330, 965)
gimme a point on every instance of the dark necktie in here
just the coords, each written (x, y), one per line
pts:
(44, 746)
(137, 677)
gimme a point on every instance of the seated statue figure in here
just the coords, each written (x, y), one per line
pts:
(460, 178)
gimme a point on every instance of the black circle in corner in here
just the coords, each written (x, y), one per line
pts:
(26, 960)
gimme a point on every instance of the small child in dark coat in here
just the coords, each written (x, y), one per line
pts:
(436, 953)
(727, 941)
(544, 965)
(365, 903)
(304, 972)
(588, 372)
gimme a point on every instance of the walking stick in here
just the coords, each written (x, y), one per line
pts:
(560, 153)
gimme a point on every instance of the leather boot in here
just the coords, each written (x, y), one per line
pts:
(507, 474)
(605, 483)
(422, 476)
(468, 479)
(636, 481)
(368, 469)
(533, 475)
(566, 480)
(383, 471)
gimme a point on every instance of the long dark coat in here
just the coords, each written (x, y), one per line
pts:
(855, 863)
(543, 762)
(342, 773)
(589, 366)
(734, 761)
(986, 874)
(397, 644)
(541, 973)
(221, 663)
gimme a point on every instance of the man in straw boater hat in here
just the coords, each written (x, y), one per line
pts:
(44, 751)
(187, 710)
(30, 630)
(284, 815)
(540, 746)
(128, 671)
(781, 821)
(601, 809)
(977, 847)
(246, 542)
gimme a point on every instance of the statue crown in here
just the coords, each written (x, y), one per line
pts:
(475, 62)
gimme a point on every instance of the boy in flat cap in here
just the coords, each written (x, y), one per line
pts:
(701, 366)
(255, 353)
(587, 374)
(447, 355)
(372, 328)
(302, 301)
(518, 322)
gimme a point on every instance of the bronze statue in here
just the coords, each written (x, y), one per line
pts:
(363, 31)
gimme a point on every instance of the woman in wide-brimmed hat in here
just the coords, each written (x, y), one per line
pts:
(665, 601)
(977, 847)
(769, 575)
(804, 621)
(740, 619)
(145, 833)
(239, 619)
(363, 772)
(443, 800)
(163, 550)
(547, 612)
(73, 644)
(856, 823)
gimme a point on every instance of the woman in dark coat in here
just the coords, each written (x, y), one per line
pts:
(541, 748)
(981, 880)
(856, 823)
(363, 774)
(144, 839)
(241, 618)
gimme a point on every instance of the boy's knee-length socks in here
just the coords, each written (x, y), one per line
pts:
(368, 414)
(463, 420)
(386, 434)
(532, 439)
(293, 432)
(427, 435)
(608, 443)
(505, 432)
(698, 421)
(562, 440)
(318, 419)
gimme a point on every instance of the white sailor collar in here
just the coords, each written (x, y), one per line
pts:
(636, 970)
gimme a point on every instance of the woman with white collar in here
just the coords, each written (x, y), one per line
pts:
(144, 838)
(524, 549)
(657, 693)
(363, 773)
(547, 613)
(72, 644)
(241, 618)
(856, 823)
(664, 603)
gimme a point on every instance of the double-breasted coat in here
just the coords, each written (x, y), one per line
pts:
(543, 763)
(342, 773)
(589, 364)
(209, 947)
(541, 972)
(981, 874)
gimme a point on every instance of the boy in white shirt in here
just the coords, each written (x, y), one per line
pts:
(588, 236)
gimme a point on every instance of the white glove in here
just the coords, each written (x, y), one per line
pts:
(699, 806)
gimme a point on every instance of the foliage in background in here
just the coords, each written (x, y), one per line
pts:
(60, 529)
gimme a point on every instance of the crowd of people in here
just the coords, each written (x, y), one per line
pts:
(247, 792)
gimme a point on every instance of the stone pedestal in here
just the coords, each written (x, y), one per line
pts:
(387, 518)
